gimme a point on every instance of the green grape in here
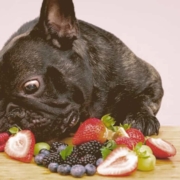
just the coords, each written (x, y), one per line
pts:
(39, 146)
(146, 163)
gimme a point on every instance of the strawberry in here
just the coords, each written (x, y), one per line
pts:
(126, 141)
(3, 139)
(135, 134)
(161, 148)
(130, 137)
(120, 162)
(21, 146)
(91, 129)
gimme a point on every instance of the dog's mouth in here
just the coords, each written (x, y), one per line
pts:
(44, 127)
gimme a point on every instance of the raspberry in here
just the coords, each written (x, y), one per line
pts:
(3, 139)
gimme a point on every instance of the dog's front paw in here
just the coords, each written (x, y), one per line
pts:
(147, 124)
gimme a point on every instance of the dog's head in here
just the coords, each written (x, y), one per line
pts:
(45, 77)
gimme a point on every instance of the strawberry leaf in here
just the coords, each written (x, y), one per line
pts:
(110, 146)
(14, 130)
(66, 152)
(125, 126)
(108, 121)
(105, 152)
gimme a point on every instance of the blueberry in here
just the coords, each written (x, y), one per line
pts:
(61, 147)
(44, 151)
(38, 159)
(77, 170)
(64, 169)
(99, 161)
(90, 169)
(53, 167)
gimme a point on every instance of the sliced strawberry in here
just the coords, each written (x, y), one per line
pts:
(91, 129)
(3, 139)
(21, 146)
(120, 162)
(135, 134)
(129, 142)
(161, 148)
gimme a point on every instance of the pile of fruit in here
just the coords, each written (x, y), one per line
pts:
(98, 146)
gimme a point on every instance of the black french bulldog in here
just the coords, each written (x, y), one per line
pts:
(57, 71)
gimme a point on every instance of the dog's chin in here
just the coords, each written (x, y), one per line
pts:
(44, 128)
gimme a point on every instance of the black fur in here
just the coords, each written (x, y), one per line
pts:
(76, 71)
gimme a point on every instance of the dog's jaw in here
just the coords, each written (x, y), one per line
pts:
(43, 128)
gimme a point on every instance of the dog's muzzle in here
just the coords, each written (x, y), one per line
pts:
(44, 127)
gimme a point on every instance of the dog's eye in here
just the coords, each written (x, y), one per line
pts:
(31, 86)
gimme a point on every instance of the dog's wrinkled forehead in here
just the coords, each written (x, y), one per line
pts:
(19, 62)
(20, 57)
(27, 56)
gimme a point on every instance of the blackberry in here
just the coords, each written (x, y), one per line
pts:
(91, 147)
(53, 157)
(87, 159)
(55, 145)
(73, 158)
(77, 151)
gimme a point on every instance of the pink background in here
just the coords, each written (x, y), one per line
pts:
(150, 28)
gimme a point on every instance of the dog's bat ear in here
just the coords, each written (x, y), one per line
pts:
(58, 22)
